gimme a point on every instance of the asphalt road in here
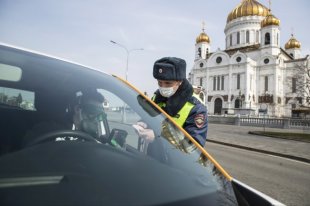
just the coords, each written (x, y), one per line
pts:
(286, 180)
(238, 135)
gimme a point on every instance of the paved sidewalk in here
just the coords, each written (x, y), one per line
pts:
(238, 136)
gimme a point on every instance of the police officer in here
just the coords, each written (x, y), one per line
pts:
(175, 96)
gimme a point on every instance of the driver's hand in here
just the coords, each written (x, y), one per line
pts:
(143, 132)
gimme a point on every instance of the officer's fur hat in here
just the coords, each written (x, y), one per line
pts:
(170, 68)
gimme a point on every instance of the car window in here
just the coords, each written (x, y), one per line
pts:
(10, 73)
(17, 98)
(120, 116)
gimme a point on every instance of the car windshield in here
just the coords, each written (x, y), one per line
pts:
(169, 168)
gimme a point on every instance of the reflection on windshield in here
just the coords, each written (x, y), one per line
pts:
(16, 98)
(170, 149)
(176, 137)
(173, 149)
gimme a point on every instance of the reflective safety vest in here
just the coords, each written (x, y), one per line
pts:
(182, 115)
(198, 97)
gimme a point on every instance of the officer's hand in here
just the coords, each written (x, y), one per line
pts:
(143, 132)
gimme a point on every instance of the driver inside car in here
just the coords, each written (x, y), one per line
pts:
(89, 114)
(89, 117)
(86, 114)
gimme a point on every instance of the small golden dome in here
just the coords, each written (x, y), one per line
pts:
(203, 37)
(270, 20)
(248, 8)
(292, 43)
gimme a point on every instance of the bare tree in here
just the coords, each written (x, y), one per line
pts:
(300, 82)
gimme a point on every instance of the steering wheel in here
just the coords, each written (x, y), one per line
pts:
(62, 133)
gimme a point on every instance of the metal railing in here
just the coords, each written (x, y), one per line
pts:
(286, 123)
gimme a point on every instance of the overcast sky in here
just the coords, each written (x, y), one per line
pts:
(81, 30)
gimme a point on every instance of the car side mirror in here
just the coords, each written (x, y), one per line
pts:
(147, 106)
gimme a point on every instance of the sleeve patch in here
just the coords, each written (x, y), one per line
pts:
(199, 120)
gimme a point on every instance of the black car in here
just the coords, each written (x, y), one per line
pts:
(46, 159)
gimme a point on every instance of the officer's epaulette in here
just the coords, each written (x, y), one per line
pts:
(194, 100)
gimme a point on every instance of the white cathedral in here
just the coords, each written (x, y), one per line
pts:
(254, 74)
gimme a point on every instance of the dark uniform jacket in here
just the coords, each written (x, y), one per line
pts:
(196, 123)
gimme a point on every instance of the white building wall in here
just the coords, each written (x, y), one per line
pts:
(249, 23)
(252, 68)
(204, 47)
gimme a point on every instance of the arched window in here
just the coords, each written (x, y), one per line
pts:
(214, 83)
(230, 40)
(238, 81)
(294, 80)
(238, 37)
(267, 38)
(218, 106)
(238, 103)
(247, 36)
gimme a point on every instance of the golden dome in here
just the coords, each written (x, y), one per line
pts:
(248, 8)
(203, 37)
(292, 43)
(270, 20)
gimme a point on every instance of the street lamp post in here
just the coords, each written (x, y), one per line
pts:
(128, 51)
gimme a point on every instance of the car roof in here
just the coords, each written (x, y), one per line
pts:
(34, 52)
(40, 71)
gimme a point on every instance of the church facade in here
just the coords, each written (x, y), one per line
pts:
(254, 74)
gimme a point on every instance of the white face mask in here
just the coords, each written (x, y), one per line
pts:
(166, 91)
